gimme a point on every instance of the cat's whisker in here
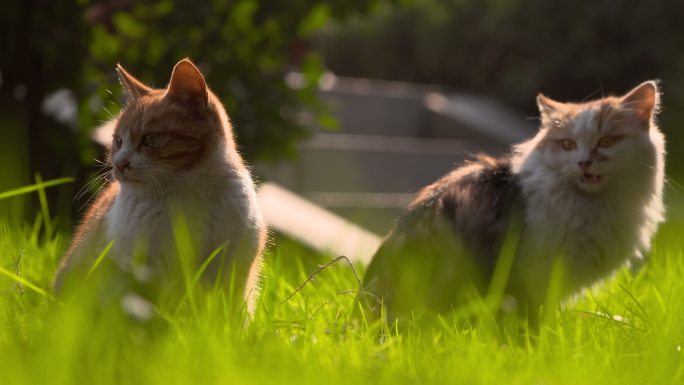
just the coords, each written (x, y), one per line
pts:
(103, 178)
(616, 111)
(643, 164)
(81, 191)
(676, 186)
(153, 186)
(97, 192)
(156, 186)
(168, 174)
(88, 186)
(109, 113)
(102, 169)
(599, 89)
(93, 195)
(164, 173)
(150, 175)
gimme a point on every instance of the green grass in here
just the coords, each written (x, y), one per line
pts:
(629, 330)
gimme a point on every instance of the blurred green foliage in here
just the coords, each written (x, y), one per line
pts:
(244, 48)
(508, 49)
(570, 50)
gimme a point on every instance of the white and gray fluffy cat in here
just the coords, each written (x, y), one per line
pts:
(584, 193)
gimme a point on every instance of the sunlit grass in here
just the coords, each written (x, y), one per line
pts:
(628, 330)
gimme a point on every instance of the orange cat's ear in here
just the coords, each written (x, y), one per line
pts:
(643, 101)
(187, 84)
(133, 87)
(547, 106)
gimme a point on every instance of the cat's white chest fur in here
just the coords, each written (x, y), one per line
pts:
(213, 212)
(594, 237)
(137, 223)
(595, 234)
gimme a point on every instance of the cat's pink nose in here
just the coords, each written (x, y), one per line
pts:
(122, 165)
(584, 165)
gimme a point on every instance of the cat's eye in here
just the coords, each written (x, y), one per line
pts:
(118, 141)
(568, 144)
(147, 140)
(606, 141)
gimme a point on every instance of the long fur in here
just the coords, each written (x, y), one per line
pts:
(593, 219)
(174, 158)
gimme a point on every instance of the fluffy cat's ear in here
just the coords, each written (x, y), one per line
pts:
(547, 106)
(187, 84)
(643, 101)
(133, 87)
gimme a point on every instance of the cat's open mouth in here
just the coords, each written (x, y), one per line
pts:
(589, 178)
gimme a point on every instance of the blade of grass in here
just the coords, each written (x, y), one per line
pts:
(200, 271)
(553, 293)
(185, 247)
(99, 259)
(35, 230)
(44, 208)
(497, 286)
(34, 187)
(644, 314)
(24, 282)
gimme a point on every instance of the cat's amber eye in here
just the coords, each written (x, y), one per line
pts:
(606, 141)
(568, 144)
(118, 141)
(147, 140)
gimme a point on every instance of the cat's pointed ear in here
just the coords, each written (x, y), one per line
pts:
(547, 106)
(187, 84)
(133, 88)
(643, 101)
